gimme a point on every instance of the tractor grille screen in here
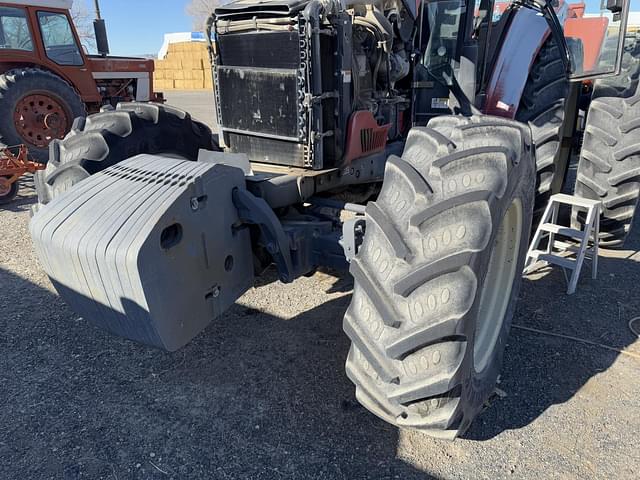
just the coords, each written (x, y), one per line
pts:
(259, 95)
(267, 150)
(259, 100)
(262, 50)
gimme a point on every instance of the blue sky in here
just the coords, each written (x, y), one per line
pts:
(138, 26)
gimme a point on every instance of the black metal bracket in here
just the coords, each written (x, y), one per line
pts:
(255, 211)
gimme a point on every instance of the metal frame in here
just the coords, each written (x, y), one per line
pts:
(500, 80)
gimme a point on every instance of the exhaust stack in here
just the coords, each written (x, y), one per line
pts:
(100, 29)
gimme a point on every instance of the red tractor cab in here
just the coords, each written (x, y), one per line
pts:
(47, 79)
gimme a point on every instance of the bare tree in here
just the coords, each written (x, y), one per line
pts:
(83, 21)
(200, 10)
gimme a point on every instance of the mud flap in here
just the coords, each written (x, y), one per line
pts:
(148, 249)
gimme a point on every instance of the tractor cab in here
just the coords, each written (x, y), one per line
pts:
(476, 55)
(39, 40)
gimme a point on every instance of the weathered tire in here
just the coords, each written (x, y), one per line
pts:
(609, 167)
(625, 84)
(9, 194)
(543, 107)
(15, 85)
(111, 136)
(423, 269)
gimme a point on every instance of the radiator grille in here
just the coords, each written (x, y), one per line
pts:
(371, 139)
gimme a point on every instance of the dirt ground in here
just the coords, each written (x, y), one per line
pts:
(262, 393)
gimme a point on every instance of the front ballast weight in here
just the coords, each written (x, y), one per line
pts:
(176, 244)
(153, 269)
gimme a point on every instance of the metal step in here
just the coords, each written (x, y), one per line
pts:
(560, 230)
(564, 262)
(576, 201)
(548, 229)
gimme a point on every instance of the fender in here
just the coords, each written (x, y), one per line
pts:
(521, 43)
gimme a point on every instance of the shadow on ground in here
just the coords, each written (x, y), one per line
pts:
(26, 195)
(257, 396)
(254, 396)
(541, 371)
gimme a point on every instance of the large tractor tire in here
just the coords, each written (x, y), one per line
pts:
(36, 107)
(543, 108)
(625, 84)
(438, 273)
(109, 137)
(609, 167)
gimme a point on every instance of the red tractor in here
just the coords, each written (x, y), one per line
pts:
(412, 141)
(47, 80)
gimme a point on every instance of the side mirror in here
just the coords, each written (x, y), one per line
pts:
(615, 6)
(596, 40)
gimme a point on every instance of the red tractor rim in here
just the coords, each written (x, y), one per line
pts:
(40, 118)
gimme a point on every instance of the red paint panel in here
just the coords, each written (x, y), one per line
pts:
(592, 32)
(526, 34)
(364, 136)
(120, 64)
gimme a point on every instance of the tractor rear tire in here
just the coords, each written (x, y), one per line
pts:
(609, 166)
(625, 84)
(543, 108)
(438, 273)
(111, 136)
(41, 98)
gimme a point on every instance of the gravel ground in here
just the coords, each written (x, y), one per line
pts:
(262, 393)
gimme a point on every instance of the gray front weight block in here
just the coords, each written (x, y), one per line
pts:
(148, 249)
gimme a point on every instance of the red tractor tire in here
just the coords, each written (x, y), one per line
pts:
(36, 107)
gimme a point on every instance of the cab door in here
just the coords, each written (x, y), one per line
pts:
(61, 52)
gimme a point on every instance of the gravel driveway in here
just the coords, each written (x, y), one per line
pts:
(262, 393)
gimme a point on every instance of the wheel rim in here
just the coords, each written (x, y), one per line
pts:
(40, 118)
(498, 283)
(5, 187)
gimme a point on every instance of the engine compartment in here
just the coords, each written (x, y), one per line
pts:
(290, 77)
(381, 52)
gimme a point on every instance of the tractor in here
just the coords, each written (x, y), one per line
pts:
(413, 143)
(47, 79)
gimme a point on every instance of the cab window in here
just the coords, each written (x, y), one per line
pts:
(14, 30)
(59, 41)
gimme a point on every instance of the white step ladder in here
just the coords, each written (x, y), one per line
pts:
(548, 228)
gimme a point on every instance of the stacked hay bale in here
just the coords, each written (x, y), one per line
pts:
(186, 67)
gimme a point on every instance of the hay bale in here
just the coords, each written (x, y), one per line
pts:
(163, 84)
(192, 63)
(189, 84)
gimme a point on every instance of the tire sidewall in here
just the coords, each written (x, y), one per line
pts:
(479, 385)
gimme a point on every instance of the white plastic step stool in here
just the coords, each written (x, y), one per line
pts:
(548, 228)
